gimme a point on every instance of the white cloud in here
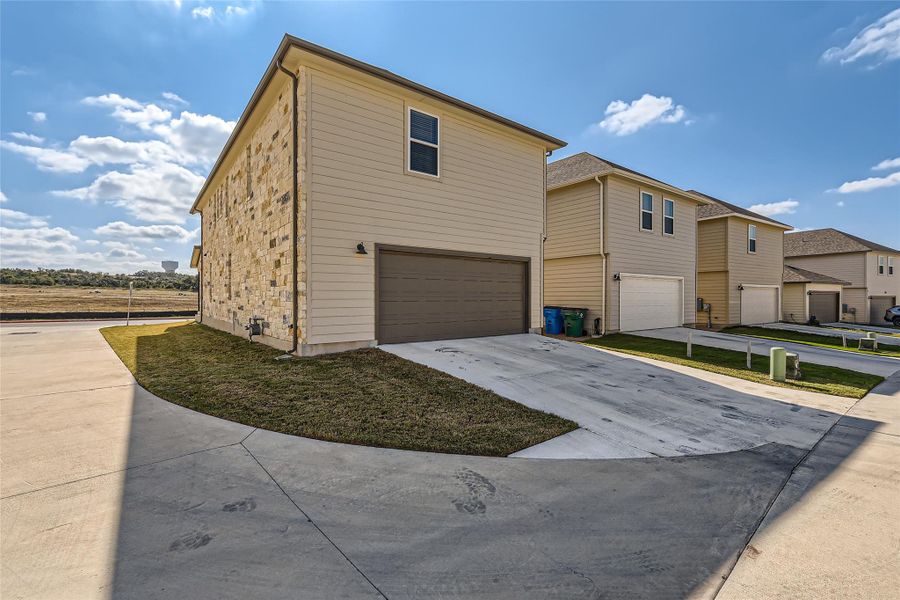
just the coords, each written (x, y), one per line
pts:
(37, 238)
(203, 12)
(27, 137)
(161, 192)
(891, 163)
(37, 117)
(17, 218)
(49, 159)
(869, 184)
(623, 118)
(197, 138)
(880, 42)
(3, 198)
(112, 150)
(22, 71)
(91, 242)
(238, 11)
(120, 229)
(173, 97)
(840, 203)
(129, 110)
(771, 209)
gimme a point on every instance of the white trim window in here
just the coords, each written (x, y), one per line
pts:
(751, 239)
(668, 217)
(422, 143)
(881, 265)
(646, 211)
(890, 265)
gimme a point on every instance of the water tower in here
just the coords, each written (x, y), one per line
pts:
(169, 266)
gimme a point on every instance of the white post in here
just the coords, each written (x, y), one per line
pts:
(844, 339)
(690, 343)
(749, 354)
(128, 314)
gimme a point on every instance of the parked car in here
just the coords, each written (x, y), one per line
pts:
(893, 315)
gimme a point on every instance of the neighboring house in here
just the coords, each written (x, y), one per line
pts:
(621, 244)
(807, 294)
(869, 270)
(739, 264)
(351, 206)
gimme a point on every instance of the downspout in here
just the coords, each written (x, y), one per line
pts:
(602, 254)
(295, 208)
(544, 236)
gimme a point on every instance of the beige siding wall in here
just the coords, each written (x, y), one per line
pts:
(713, 288)
(247, 227)
(883, 285)
(847, 267)
(576, 282)
(573, 221)
(858, 299)
(793, 303)
(712, 245)
(634, 251)
(765, 267)
(489, 198)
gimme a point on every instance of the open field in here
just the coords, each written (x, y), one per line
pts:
(60, 299)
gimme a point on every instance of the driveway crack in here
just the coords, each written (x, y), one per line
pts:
(313, 523)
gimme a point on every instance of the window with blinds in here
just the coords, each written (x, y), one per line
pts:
(423, 143)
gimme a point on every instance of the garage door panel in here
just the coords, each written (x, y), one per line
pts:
(878, 305)
(650, 303)
(824, 306)
(429, 297)
(759, 305)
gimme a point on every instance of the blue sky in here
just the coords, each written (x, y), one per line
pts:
(112, 113)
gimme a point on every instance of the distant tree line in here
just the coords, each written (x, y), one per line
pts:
(79, 278)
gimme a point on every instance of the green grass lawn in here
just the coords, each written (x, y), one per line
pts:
(850, 327)
(811, 339)
(816, 378)
(367, 397)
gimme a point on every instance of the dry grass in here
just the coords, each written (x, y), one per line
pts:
(366, 397)
(59, 299)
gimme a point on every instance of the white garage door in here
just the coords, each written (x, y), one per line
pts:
(648, 302)
(759, 304)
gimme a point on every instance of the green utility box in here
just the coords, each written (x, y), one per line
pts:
(574, 318)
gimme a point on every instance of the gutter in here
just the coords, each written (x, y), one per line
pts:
(294, 206)
(602, 252)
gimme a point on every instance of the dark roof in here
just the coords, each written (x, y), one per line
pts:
(798, 275)
(720, 208)
(289, 41)
(827, 241)
(584, 165)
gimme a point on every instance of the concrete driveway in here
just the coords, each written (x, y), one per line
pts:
(629, 407)
(864, 363)
(110, 492)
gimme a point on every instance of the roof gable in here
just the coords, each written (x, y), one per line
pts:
(828, 241)
(719, 208)
(798, 275)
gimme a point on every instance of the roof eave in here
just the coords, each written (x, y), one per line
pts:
(634, 177)
(777, 224)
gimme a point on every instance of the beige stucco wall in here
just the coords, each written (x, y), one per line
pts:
(632, 250)
(489, 197)
(573, 221)
(247, 222)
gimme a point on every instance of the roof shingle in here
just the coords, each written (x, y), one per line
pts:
(828, 241)
(798, 275)
(720, 208)
(585, 165)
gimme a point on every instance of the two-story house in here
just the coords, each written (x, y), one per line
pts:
(869, 270)
(351, 207)
(621, 244)
(740, 264)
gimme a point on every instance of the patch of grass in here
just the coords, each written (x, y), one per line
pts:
(816, 378)
(367, 397)
(811, 339)
(71, 299)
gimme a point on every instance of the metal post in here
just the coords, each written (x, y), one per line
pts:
(749, 354)
(128, 314)
(690, 343)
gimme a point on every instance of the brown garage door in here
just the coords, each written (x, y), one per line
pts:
(425, 296)
(824, 306)
(878, 305)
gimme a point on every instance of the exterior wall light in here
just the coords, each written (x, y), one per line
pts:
(361, 248)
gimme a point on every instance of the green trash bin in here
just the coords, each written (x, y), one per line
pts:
(574, 318)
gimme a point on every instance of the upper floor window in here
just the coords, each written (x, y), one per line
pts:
(881, 265)
(646, 211)
(423, 143)
(751, 239)
(668, 216)
(890, 265)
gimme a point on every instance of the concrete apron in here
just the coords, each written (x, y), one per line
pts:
(630, 407)
(110, 492)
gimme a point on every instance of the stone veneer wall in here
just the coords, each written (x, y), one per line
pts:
(247, 230)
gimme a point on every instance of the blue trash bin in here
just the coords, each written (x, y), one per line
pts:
(553, 320)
